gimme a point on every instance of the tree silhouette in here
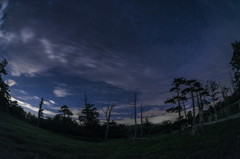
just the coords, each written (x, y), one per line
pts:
(213, 89)
(235, 64)
(144, 113)
(191, 90)
(201, 93)
(64, 109)
(176, 99)
(107, 112)
(40, 112)
(66, 112)
(4, 88)
(134, 105)
(89, 117)
(183, 99)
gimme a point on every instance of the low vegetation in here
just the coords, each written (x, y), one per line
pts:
(19, 139)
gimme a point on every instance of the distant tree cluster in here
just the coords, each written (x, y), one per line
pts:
(207, 96)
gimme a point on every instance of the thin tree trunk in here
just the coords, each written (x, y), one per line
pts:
(141, 121)
(179, 111)
(201, 112)
(135, 113)
(198, 108)
(194, 116)
(39, 112)
(106, 135)
(184, 110)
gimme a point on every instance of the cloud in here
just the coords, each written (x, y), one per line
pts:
(3, 6)
(29, 106)
(60, 92)
(47, 103)
(10, 82)
(27, 34)
(20, 66)
(28, 97)
(51, 101)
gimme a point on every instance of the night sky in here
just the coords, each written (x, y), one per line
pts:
(57, 49)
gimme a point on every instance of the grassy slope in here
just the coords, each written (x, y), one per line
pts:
(21, 140)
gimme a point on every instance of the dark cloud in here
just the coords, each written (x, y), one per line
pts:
(113, 48)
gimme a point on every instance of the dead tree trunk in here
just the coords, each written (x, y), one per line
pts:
(107, 113)
(135, 114)
(39, 112)
(141, 120)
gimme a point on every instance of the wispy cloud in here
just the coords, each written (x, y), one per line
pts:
(60, 92)
(29, 106)
(27, 34)
(51, 101)
(26, 97)
(10, 82)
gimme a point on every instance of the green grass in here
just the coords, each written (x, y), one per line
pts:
(19, 139)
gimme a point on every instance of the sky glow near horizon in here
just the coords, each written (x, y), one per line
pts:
(110, 49)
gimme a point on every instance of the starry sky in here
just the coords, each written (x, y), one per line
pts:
(58, 49)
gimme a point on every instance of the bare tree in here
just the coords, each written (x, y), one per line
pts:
(107, 111)
(40, 112)
(224, 92)
(144, 114)
(135, 113)
(134, 105)
(213, 89)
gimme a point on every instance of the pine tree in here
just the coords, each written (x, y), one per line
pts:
(89, 115)
(176, 99)
(4, 89)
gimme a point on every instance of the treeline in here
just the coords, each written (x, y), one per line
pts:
(206, 98)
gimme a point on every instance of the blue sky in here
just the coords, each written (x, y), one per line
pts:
(58, 49)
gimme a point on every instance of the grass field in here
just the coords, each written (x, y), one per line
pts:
(19, 139)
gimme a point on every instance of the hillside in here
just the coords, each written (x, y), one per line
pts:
(19, 139)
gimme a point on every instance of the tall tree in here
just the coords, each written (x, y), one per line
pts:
(66, 115)
(191, 90)
(235, 64)
(224, 92)
(176, 99)
(89, 115)
(64, 109)
(107, 112)
(183, 99)
(200, 94)
(213, 89)
(40, 112)
(4, 88)
(144, 114)
(134, 105)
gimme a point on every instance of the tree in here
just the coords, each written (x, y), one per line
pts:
(107, 112)
(183, 98)
(16, 110)
(224, 92)
(134, 104)
(89, 117)
(4, 88)
(143, 111)
(176, 88)
(212, 86)
(191, 90)
(201, 93)
(64, 109)
(40, 112)
(235, 64)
